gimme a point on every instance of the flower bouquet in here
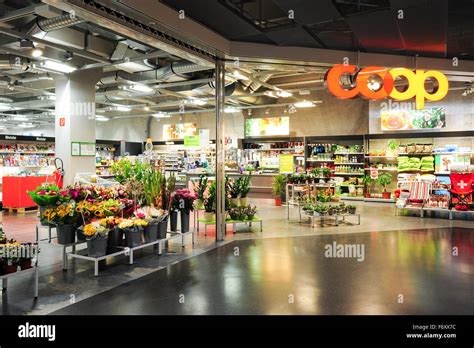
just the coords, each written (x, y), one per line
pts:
(182, 201)
(96, 233)
(153, 216)
(46, 196)
(133, 228)
(63, 217)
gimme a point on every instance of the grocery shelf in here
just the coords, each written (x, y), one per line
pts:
(346, 185)
(318, 160)
(384, 169)
(367, 156)
(348, 174)
(416, 154)
(453, 153)
(352, 198)
(349, 153)
(349, 163)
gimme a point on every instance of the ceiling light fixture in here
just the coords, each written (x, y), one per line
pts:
(304, 104)
(19, 118)
(139, 88)
(271, 94)
(37, 52)
(122, 108)
(146, 108)
(25, 125)
(230, 109)
(55, 66)
(197, 101)
(4, 107)
(161, 115)
(284, 94)
(101, 118)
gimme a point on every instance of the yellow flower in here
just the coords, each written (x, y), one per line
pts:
(90, 230)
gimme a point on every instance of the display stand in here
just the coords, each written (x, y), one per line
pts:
(336, 218)
(292, 188)
(233, 222)
(127, 251)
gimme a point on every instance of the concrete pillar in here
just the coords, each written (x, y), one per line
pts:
(220, 150)
(75, 119)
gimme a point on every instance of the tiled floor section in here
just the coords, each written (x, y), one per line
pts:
(402, 272)
(58, 288)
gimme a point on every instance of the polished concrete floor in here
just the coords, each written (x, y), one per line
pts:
(60, 289)
(403, 272)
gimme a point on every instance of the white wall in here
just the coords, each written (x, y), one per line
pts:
(128, 129)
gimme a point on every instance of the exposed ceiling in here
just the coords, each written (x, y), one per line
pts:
(432, 28)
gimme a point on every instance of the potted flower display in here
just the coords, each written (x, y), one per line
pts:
(63, 217)
(250, 212)
(133, 229)
(244, 190)
(383, 180)
(279, 182)
(351, 209)
(46, 196)
(183, 201)
(154, 217)
(367, 179)
(96, 233)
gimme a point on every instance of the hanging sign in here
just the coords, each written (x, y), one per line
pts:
(192, 141)
(365, 84)
(286, 164)
(374, 173)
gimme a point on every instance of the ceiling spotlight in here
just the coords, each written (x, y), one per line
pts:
(37, 52)
(68, 55)
(249, 112)
(291, 109)
(468, 89)
(10, 86)
(304, 104)
(146, 108)
(271, 94)
(267, 111)
(101, 118)
(139, 88)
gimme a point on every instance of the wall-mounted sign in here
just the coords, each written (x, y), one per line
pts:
(397, 120)
(255, 127)
(62, 122)
(179, 130)
(375, 83)
(192, 141)
(82, 149)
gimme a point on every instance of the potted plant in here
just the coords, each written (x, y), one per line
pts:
(46, 196)
(383, 180)
(26, 254)
(279, 182)
(133, 228)
(367, 182)
(250, 212)
(326, 171)
(154, 217)
(351, 209)
(316, 172)
(96, 233)
(63, 217)
(209, 203)
(234, 188)
(200, 190)
(393, 146)
(183, 201)
(244, 190)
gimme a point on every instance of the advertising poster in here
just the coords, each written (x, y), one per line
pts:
(400, 120)
(178, 130)
(255, 127)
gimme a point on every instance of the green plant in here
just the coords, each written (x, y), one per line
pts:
(210, 201)
(152, 184)
(383, 180)
(200, 187)
(234, 187)
(245, 186)
(250, 211)
(393, 145)
(326, 172)
(317, 172)
(279, 182)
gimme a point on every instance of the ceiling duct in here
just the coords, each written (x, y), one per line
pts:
(8, 61)
(41, 27)
(172, 72)
(254, 86)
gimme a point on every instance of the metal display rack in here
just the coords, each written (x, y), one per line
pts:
(292, 188)
(233, 222)
(336, 218)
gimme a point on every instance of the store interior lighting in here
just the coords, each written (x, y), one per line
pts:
(146, 108)
(51, 65)
(304, 104)
(19, 118)
(467, 90)
(101, 118)
(230, 109)
(197, 101)
(139, 88)
(160, 115)
(122, 108)
(37, 52)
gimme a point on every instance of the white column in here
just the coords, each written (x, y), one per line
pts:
(75, 119)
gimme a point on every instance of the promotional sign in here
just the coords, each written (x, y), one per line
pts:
(192, 141)
(286, 164)
(397, 120)
(374, 173)
(255, 127)
(204, 135)
(179, 130)
(365, 83)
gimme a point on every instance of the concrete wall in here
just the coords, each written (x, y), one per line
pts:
(129, 129)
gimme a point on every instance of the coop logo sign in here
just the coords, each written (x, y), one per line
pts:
(374, 82)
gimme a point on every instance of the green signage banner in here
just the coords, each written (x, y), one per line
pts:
(192, 141)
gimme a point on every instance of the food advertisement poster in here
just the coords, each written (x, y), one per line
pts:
(255, 127)
(401, 120)
(179, 130)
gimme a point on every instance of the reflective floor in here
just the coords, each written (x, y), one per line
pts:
(423, 271)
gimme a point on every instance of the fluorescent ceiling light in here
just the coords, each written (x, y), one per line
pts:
(5, 107)
(37, 52)
(284, 94)
(304, 104)
(230, 109)
(146, 108)
(25, 125)
(20, 118)
(270, 94)
(56, 66)
(139, 88)
(238, 75)
(122, 108)
(197, 101)
(161, 115)
(132, 67)
(101, 118)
